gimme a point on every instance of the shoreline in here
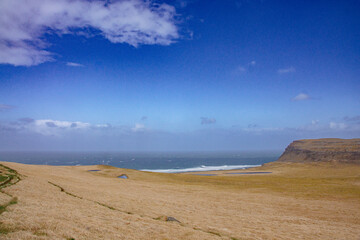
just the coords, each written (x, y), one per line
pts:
(202, 168)
(195, 169)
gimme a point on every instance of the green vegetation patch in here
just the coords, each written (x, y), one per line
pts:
(3, 178)
(8, 176)
(4, 230)
(4, 206)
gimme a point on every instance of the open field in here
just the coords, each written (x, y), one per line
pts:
(295, 201)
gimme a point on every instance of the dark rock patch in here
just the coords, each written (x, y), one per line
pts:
(172, 219)
(123, 176)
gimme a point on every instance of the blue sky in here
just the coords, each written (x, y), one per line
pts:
(177, 75)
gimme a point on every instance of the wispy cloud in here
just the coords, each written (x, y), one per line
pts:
(206, 120)
(240, 69)
(138, 128)
(46, 127)
(23, 25)
(313, 126)
(330, 128)
(5, 107)
(337, 125)
(351, 119)
(72, 64)
(26, 120)
(45, 134)
(59, 128)
(245, 68)
(301, 97)
(254, 128)
(181, 3)
(286, 70)
(55, 127)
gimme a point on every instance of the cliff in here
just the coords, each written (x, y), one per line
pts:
(323, 150)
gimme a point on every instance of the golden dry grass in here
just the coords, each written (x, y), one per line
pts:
(296, 201)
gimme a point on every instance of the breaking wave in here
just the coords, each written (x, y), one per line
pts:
(202, 168)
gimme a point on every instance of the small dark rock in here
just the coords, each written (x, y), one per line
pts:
(124, 176)
(172, 219)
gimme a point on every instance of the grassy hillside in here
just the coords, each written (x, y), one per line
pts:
(295, 201)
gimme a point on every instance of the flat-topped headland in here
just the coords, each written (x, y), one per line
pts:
(323, 150)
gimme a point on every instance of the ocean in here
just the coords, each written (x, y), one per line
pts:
(168, 162)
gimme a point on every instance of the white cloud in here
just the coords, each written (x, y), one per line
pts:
(330, 127)
(22, 54)
(23, 24)
(50, 127)
(301, 97)
(47, 127)
(61, 124)
(107, 125)
(72, 64)
(54, 127)
(314, 122)
(335, 125)
(286, 70)
(47, 134)
(314, 126)
(138, 128)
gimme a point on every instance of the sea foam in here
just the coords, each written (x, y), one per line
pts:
(201, 168)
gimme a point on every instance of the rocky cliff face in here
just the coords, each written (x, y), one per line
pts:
(323, 150)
